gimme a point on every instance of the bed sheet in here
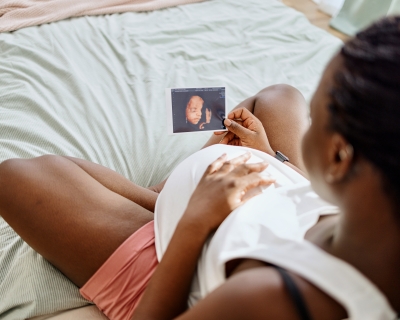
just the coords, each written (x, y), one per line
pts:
(93, 88)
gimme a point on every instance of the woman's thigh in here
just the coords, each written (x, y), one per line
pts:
(66, 215)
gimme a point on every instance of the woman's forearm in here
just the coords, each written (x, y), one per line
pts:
(221, 190)
(167, 293)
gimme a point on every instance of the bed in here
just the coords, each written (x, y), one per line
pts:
(93, 88)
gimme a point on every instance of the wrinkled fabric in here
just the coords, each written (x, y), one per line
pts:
(117, 287)
(17, 14)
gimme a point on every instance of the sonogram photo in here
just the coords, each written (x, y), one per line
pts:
(196, 109)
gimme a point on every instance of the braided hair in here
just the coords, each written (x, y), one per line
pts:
(365, 100)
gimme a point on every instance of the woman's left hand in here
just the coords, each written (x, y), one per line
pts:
(224, 186)
(244, 129)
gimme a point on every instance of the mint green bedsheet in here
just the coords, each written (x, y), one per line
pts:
(93, 88)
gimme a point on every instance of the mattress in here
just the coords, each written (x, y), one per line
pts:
(93, 88)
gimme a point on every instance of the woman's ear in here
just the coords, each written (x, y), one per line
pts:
(340, 158)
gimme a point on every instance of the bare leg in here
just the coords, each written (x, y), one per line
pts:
(283, 113)
(158, 187)
(118, 183)
(74, 213)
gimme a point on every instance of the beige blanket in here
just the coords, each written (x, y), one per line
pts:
(17, 14)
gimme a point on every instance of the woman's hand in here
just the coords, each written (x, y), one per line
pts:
(224, 186)
(245, 130)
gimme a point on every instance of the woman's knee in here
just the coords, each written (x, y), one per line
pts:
(8, 171)
(281, 90)
(10, 181)
(280, 98)
(15, 172)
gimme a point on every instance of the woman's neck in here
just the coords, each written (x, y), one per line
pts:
(367, 235)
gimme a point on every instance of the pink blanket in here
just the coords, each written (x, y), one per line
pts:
(17, 14)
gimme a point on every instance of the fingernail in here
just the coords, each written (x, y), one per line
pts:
(227, 122)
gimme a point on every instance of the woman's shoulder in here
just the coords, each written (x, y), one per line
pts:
(322, 277)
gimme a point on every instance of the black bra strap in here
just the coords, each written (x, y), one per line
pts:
(295, 293)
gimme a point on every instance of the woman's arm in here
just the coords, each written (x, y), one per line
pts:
(224, 184)
(167, 293)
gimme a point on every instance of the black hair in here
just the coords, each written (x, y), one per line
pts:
(365, 100)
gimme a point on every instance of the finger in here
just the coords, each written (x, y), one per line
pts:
(251, 193)
(241, 159)
(216, 165)
(222, 132)
(253, 180)
(253, 186)
(237, 129)
(217, 133)
(230, 165)
(241, 113)
(253, 124)
(235, 142)
(228, 137)
(249, 186)
(249, 168)
(231, 135)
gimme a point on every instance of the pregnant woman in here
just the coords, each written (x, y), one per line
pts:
(238, 238)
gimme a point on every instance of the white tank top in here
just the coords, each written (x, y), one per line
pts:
(270, 227)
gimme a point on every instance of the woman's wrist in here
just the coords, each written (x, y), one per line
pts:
(271, 152)
(268, 150)
(199, 227)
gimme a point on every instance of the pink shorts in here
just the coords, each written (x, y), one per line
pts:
(116, 288)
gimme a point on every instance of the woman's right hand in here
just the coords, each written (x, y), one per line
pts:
(224, 186)
(246, 130)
